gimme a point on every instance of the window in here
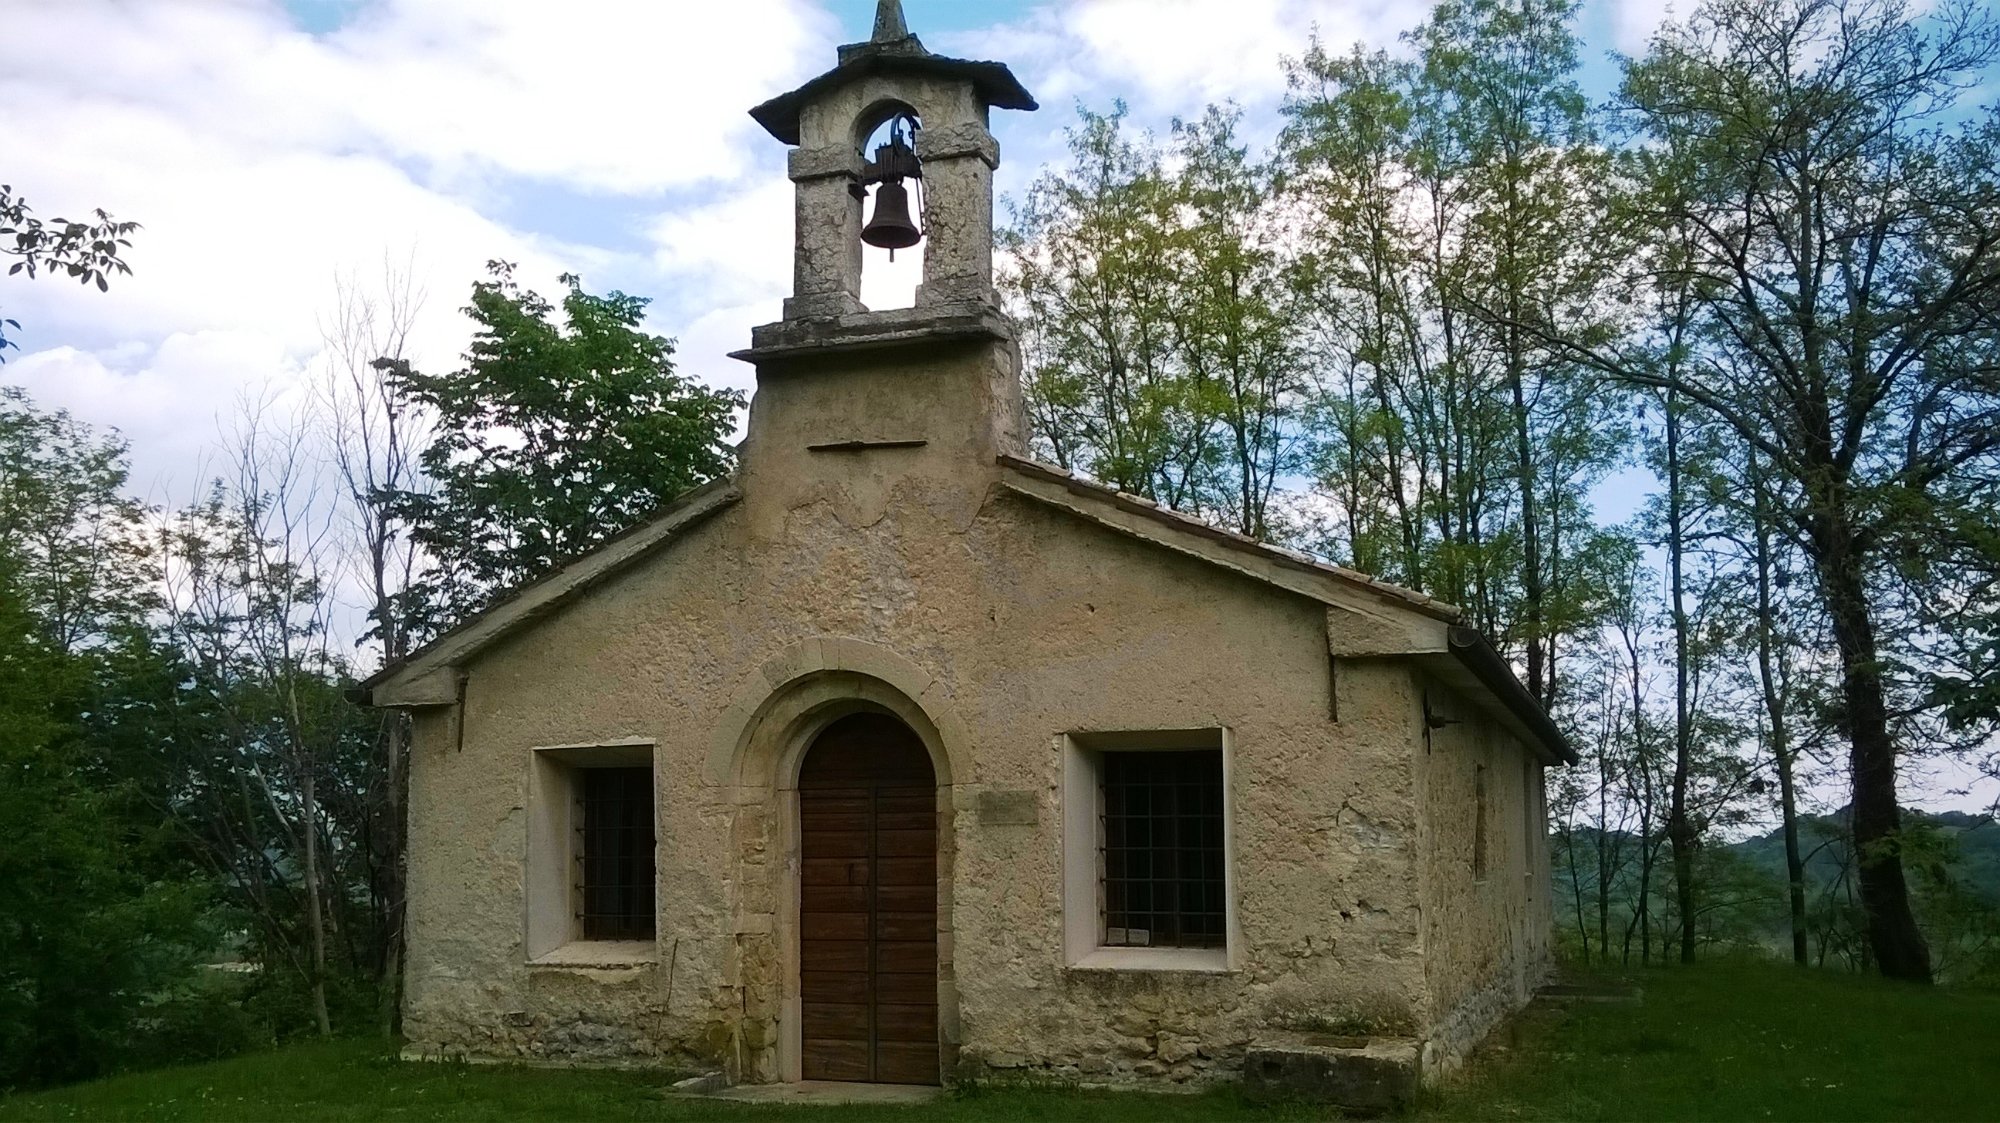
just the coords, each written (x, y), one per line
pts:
(1161, 838)
(1146, 850)
(614, 859)
(590, 872)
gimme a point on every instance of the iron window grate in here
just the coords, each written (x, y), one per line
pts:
(1161, 848)
(615, 854)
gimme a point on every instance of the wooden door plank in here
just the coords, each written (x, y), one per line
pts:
(868, 904)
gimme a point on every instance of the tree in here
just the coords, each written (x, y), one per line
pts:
(249, 574)
(90, 252)
(1438, 196)
(99, 918)
(1089, 269)
(1846, 266)
(1774, 676)
(77, 546)
(1233, 331)
(1503, 119)
(552, 438)
(376, 433)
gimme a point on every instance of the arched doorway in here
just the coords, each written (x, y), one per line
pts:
(868, 963)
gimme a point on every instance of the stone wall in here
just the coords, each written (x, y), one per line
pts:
(1486, 937)
(1015, 625)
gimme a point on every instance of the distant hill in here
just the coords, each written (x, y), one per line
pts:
(1952, 858)
(1973, 839)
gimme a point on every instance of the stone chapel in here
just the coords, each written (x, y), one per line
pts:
(901, 756)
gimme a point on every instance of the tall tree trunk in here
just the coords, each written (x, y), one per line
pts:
(395, 779)
(1603, 855)
(1680, 829)
(1774, 711)
(315, 907)
(1576, 887)
(1898, 945)
(1642, 910)
(1533, 612)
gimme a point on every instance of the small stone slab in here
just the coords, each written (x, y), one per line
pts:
(1376, 1079)
(1007, 809)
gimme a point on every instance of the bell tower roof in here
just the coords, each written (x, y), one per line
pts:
(892, 51)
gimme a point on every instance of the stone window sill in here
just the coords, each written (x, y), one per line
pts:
(601, 953)
(1213, 961)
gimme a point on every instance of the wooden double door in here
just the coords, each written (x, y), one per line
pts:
(868, 962)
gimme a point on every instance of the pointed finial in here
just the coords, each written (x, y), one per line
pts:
(889, 25)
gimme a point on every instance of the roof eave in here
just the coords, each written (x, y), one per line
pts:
(1477, 655)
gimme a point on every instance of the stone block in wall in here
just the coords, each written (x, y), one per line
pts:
(1375, 1079)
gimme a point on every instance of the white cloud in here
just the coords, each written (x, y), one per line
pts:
(263, 160)
(734, 250)
(1178, 54)
(601, 94)
(1634, 21)
(172, 401)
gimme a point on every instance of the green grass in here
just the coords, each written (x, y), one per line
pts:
(1725, 1041)
(1747, 1041)
(349, 1080)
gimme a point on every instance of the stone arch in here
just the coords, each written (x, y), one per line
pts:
(877, 113)
(800, 690)
(755, 758)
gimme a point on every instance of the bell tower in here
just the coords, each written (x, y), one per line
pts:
(907, 392)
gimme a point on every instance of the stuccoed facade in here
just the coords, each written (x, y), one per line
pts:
(1016, 619)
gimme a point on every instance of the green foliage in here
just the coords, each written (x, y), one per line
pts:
(75, 544)
(1833, 230)
(1440, 195)
(87, 937)
(552, 438)
(166, 696)
(1155, 314)
(87, 251)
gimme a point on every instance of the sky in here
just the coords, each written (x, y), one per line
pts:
(269, 147)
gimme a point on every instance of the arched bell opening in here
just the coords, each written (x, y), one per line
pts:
(868, 904)
(892, 228)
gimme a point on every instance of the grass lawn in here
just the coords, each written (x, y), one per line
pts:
(1726, 1041)
(1744, 1041)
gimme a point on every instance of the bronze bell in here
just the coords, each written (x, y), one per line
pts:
(891, 227)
